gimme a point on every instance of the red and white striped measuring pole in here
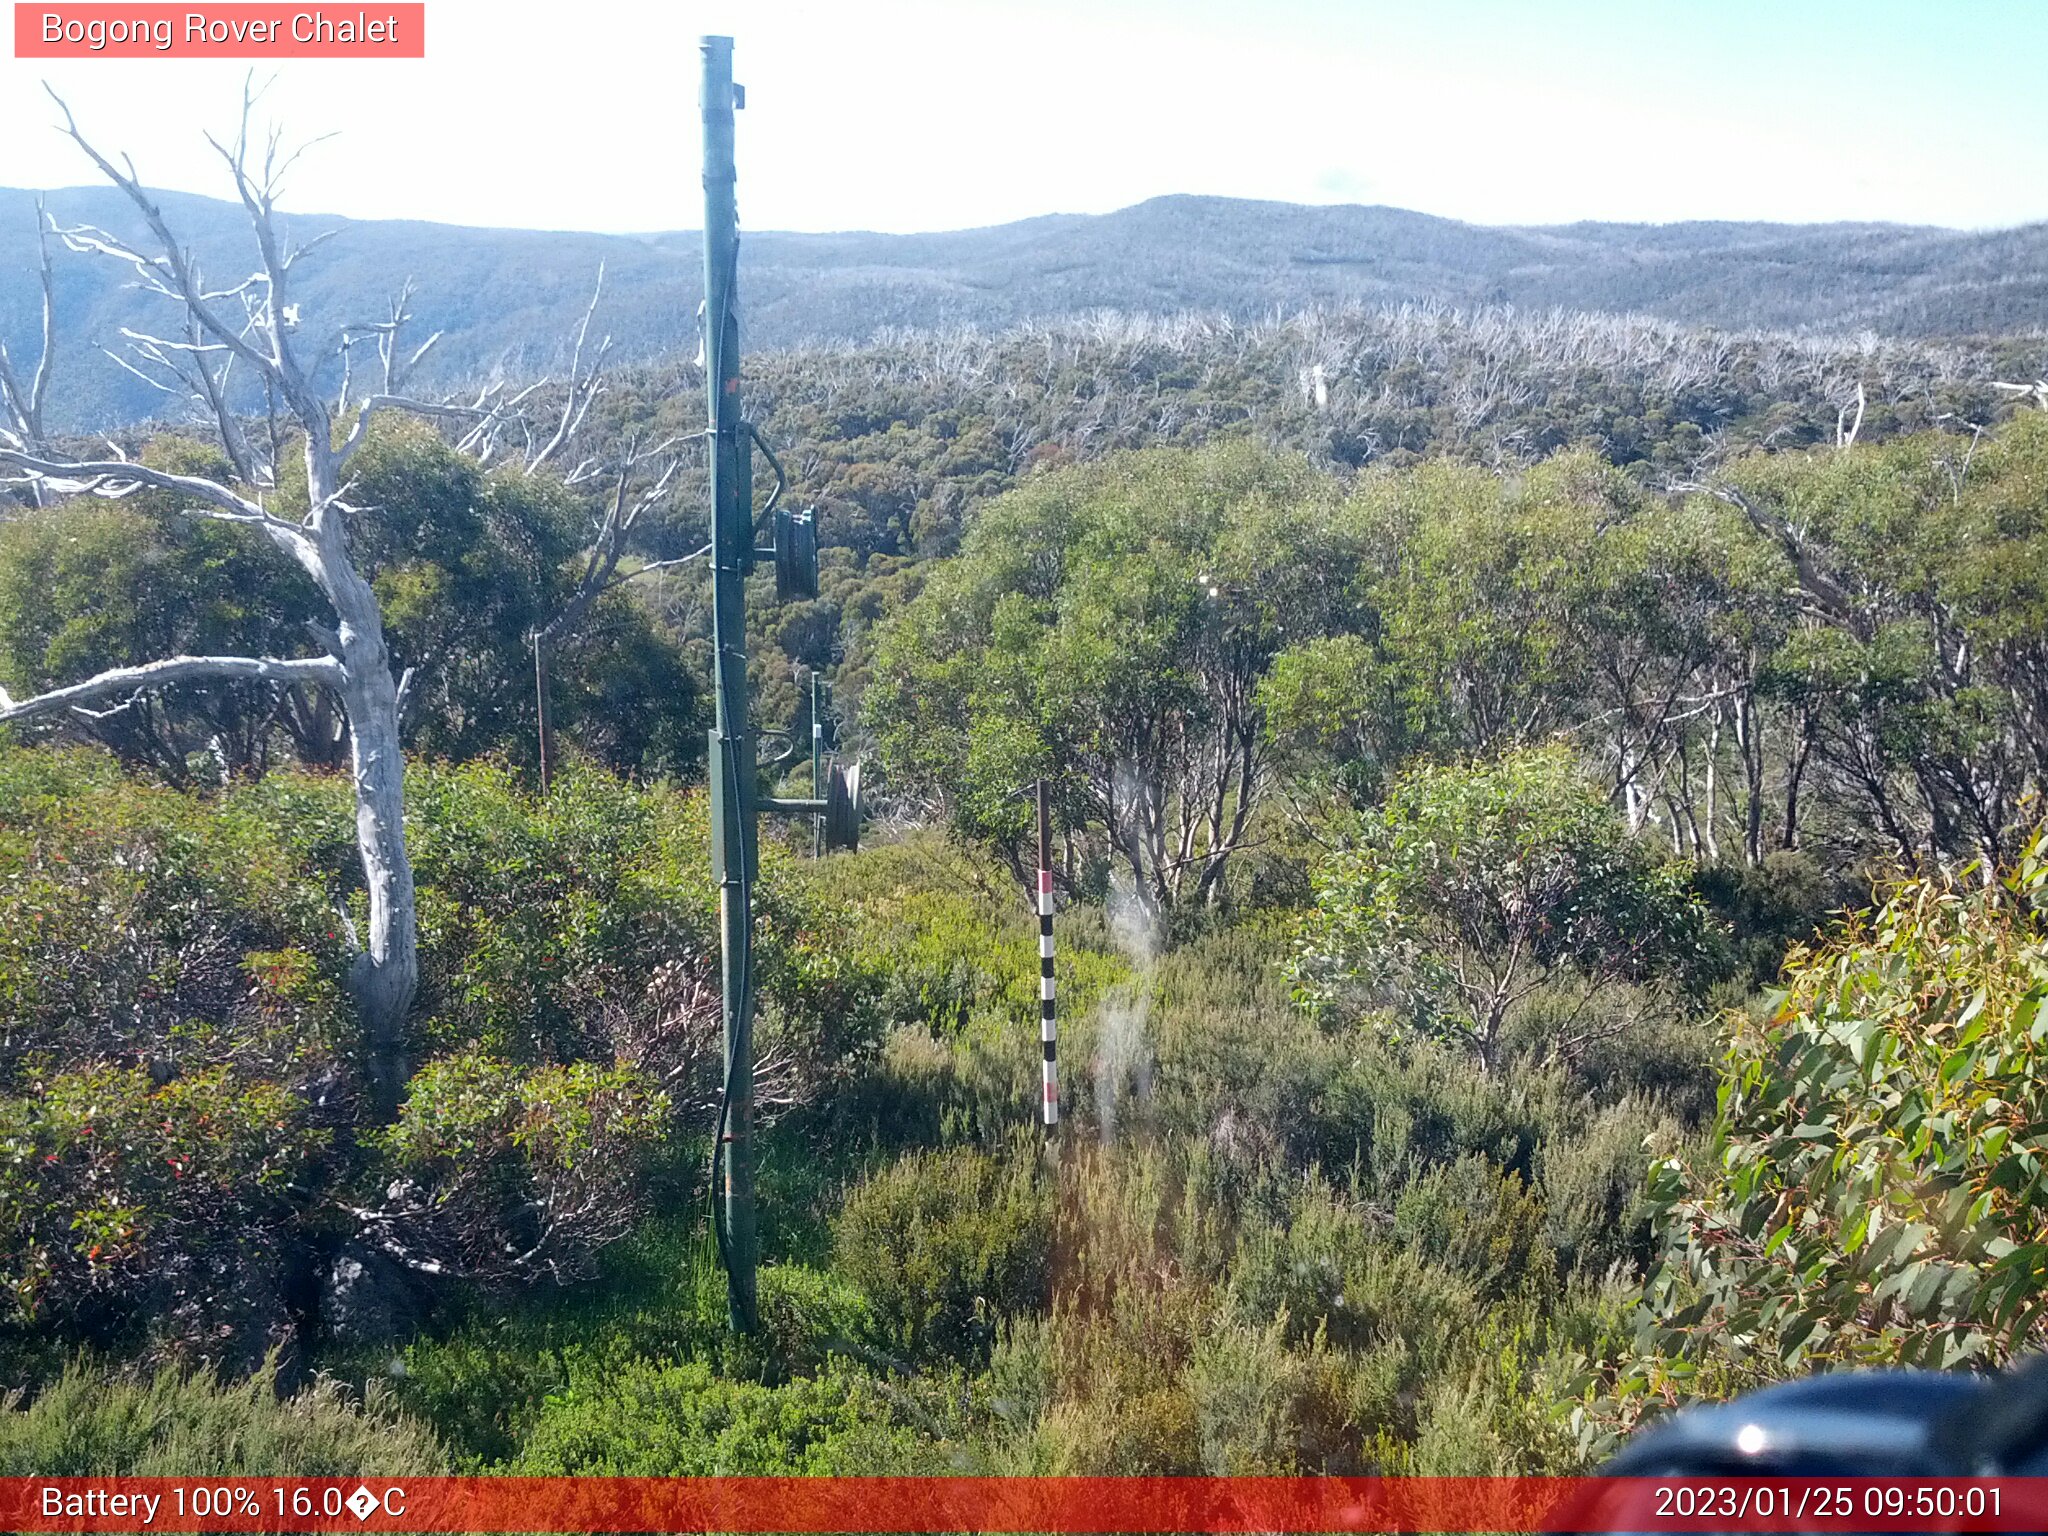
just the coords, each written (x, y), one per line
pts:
(1048, 1025)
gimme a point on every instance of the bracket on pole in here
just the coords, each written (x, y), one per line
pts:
(839, 807)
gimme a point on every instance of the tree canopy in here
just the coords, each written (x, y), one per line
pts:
(1470, 889)
(1108, 628)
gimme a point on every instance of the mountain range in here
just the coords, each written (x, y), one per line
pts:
(510, 297)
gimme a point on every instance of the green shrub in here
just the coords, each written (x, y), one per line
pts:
(1593, 1188)
(805, 1317)
(1473, 1218)
(950, 932)
(945, 1245)
(1393, 1108)
(1766, 910)
(1473, 885)
(496, 1173)
(1327, 1274)
(1871, 1194)
(648, 1419)
(659, 1296)
(130, 1207)
(93, 1423)
(1297, 1272)
(140, 925)
(1264, 1410)
(480, 1390)
(1154, 1431)
(179, 1108)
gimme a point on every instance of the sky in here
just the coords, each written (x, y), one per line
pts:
(908, 115)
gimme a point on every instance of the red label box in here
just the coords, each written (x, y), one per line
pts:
(376, 30)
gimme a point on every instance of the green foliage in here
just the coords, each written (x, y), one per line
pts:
(1472, 887)
(90, 585)
(169, 989)
(1597, 1217)
(142, 926)
(466, 565)
(650, 1419)
(1275, 1239)
(1870, 1192)
(1476, 1219)
(945, 1246)
(659, 1295)
(91, 1422)
(1764, 911)
(504, 1173)
(1107, 627)
(180, 1120)
(111, 1185)
(951, 938)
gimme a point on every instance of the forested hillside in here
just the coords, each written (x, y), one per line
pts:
(501, 297)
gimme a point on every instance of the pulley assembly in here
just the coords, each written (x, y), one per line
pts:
(796, 554)
(842, 809)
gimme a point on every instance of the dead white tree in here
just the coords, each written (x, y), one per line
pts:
(21, 406)
(395, 364)
(1846, 428)
(255, 325)
(641, 480)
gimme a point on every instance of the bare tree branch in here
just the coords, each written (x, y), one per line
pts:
(1845, 429)
(121, 477)
(585, 384)
(375, 403)
(175, 669)
(24, 406)
(1828, 593)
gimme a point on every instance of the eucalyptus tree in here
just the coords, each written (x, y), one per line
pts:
(1916, 659)
(1109, 626)
(1472, 888)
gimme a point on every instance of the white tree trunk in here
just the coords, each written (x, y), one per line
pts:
(386, 972)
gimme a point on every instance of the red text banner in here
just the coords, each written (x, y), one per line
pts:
(225, 31)
(1131, 1505)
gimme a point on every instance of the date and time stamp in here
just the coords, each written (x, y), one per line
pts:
(1127, 1506)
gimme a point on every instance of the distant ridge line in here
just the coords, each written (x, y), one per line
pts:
(504, 297)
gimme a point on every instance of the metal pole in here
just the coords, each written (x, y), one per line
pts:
(732, 756)
(1048, 1027)
(817, 764)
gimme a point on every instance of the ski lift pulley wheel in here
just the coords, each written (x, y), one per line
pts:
(842, 809)
(796, 554)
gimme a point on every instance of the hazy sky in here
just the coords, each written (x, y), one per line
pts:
(905, 115)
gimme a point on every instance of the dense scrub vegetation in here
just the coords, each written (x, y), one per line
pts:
(1464, 1045)
(1268, 1238)
(1262, 1243)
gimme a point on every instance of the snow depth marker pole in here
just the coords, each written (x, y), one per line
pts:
(1048, 1026)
